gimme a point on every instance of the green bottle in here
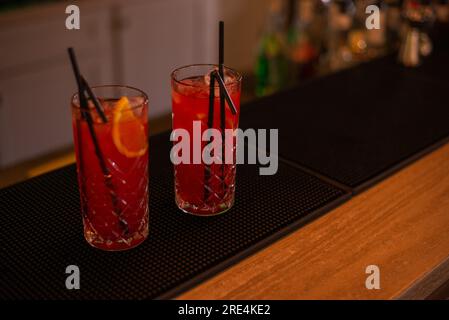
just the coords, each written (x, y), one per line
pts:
(271, 68)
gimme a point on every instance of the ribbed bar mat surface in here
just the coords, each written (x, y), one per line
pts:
(42, 233)
(356, 125)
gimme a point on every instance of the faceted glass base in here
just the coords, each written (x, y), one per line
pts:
(205, 210)
(119, 244)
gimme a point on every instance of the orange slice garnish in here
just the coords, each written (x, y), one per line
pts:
(128, 132)
(201, 116)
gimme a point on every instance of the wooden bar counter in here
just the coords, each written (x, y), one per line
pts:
(401, 225)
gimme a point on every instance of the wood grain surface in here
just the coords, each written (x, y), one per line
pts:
(401, 225)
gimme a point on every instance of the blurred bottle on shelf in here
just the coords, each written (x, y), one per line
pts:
(306, 35)
(394, 23)
(340, 19)
(416, 43)
(304, 38)
(377, 37)
(357, 37)
(272, 64)
(367, 43)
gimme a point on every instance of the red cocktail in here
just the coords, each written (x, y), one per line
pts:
(113, 177)
(204, 189)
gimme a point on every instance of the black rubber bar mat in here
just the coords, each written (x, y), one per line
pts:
(358, 125)
(42, 233)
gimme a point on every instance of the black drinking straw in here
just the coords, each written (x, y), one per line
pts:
(82, 85)
(85, 111)
(210, 119)
(225, 93)
(94, 99)
(78, 82)
(210, 124)
(224, 96)
(221, 73)
(222, 99)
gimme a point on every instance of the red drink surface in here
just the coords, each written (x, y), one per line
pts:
(114, 207)
(190, 102)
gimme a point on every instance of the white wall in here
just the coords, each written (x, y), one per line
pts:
(36, 80)
(133, 42)
(244, 22)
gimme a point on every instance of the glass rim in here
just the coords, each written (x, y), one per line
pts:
(144, 95)
(182, 82)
